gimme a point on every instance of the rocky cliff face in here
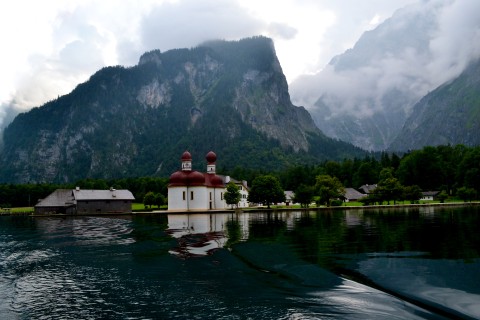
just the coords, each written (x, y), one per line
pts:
(448, 115)
(231, 97)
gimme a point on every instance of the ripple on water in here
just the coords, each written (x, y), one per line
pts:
(87, 231)
(66, 290)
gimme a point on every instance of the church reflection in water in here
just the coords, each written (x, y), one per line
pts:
(201, 234)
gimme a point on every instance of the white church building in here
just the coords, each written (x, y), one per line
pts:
(190, 190)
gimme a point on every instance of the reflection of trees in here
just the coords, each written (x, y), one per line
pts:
(234, 232)
(448, 234)
(271, 225)
(149, 227)
(319, 236)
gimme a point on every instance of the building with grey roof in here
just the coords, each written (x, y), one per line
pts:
(353, 195)
(78, 201)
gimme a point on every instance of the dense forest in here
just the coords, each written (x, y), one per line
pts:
(441, 168)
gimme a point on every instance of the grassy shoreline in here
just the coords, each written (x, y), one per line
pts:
(138, 208)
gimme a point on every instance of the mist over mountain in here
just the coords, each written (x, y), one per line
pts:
(448, 115)
(365, 95)
(230, 97)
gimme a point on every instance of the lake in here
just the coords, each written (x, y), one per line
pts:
(416, 263)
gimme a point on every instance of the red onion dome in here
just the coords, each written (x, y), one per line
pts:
(214, 181)
(178, 178)
(211, 157)
(196, 178)
(186, 156)
(217, 181)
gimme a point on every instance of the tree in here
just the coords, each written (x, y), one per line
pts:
(365, 174)
(149, 199)
(422, 168)
(412, 193)
(442, 196)
(232, 196)
(468, 170)
(389, 188)
(160, 199)
(304, 195)
(466, 194)
(266, 189)
(328, 188)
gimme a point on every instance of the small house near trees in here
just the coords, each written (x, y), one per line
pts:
(367, 188)
(429, 195)
(79, 201)
(242, 187)
(353, 195)
(289, 197)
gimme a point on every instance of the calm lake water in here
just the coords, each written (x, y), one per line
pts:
(384, 264)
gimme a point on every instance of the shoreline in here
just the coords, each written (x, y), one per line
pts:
(253, 210)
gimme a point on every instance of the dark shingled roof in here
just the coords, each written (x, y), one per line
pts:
(67, 197)
(103, 195)
(58, 198)
(352, 194)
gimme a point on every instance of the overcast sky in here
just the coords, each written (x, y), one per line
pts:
(50, 46)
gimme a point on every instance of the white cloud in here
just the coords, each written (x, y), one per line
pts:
(51, 46)
(190, 22)
(457, 40)
(420, 59)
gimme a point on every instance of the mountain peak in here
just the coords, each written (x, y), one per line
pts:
(226, 96)
(151, 56)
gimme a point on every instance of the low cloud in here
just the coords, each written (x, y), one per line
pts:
(59, 44)
(426, 44)
(187, 23)
(88, 36)
(282, 31)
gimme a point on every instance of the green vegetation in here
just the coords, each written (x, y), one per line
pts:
(328, 189)
(304, 195)
(232, 196)
(266, 189)
(455, 170)
(16, 210)
(152, 198)
(139, 207)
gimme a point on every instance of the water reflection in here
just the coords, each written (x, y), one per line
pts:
(362, 264)
(85, 231)
(390, 249)
(202, 234)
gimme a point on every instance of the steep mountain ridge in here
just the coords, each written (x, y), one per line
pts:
(231, 97)
(448, 115)
(365, 95)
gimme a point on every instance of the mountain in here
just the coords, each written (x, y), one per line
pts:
(230, 97)
(365, 95)
(448, 115)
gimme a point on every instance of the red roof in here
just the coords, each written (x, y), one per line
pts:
(194, 178)
(187, 178)
(211, 157)
(186, 156)
(212, 180)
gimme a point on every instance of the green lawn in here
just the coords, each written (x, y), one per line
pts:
(19, 209)
(141, 207)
